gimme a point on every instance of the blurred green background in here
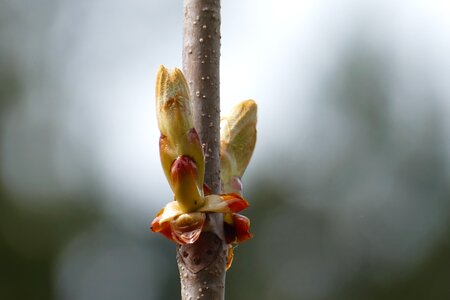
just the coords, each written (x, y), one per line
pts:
(349, 183)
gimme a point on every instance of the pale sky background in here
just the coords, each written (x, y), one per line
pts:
(109, 53)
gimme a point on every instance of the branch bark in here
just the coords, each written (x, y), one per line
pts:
(202, 264)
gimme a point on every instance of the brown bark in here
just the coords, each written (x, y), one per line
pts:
(202, 264)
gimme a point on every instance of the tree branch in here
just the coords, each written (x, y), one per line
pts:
(202, 264)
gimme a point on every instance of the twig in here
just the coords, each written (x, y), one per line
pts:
(202, 264)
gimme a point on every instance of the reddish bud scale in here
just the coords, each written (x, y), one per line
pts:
(184, 176)
(235, 202)
(163, 228)
(242, 226)
(183, 167)
(186, 229)
(237, 229)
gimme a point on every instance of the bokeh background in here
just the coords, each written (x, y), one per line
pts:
(349, 183)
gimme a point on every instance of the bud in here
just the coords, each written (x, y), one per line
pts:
(238, 138)
(183, 220)
(179, 141)
(173, 107)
